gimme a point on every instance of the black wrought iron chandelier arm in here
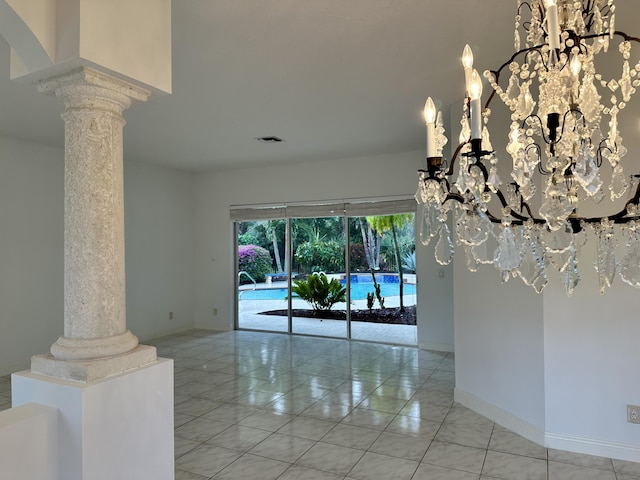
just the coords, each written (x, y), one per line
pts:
(533, 116)
(455, 157)
(589, 17)
(564, 122)
(515, 214)
(501, 196)
(601, 147)
(618, 218)
(628, 38)
(453, 196)
(478, 164)
(526, 206)
(456, 197)
(524, 4)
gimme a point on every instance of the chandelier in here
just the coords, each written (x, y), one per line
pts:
(566, 155)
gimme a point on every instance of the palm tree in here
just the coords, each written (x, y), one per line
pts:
(371, 244)
(271, 228)
(393, 222)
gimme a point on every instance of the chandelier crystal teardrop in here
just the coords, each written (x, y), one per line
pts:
(566, 151)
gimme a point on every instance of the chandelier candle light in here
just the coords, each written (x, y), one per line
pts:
(558, 144)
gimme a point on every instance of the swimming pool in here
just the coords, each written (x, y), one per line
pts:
(358, 291)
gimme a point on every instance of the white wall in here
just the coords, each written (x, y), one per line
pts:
(159, 239)
(159, 217)
(591, 364)
(435, 305)
(559, 370)
(379, 176)
(499, 343)
(31, 249)
(499, 338)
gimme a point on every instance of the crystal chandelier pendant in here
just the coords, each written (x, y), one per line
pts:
(471, 229)
(531, 267)
(472, 263)
(586, 171)
(444, 246)
(508, 255)
(526, 103)
(540, 283)
(571, 276)
(429, 223)
(606, 265)
(630, 266)
(560, 260)
(484, 253)
(619, 183)
(557, 241)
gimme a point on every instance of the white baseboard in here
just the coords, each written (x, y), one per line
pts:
(438, 347)
(570, 443)
(164, 333)
(590, 446)
(501, 417)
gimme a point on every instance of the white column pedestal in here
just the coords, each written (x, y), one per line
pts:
(117, 427)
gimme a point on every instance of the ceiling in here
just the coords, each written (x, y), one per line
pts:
(332, 78)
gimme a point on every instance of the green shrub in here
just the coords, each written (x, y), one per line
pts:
(321, 256)
(247, 239)
(254, 260)
(321, 293)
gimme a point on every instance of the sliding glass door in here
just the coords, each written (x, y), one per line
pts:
(261, 275)
(319, 295)
(383, 278)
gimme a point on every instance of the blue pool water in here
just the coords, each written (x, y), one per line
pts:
(358, 291)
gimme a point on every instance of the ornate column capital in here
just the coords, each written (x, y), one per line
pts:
(86, 87)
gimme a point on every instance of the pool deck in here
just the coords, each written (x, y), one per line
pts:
(249, 318)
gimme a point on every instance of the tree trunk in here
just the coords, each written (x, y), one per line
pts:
(376, 259)
(396, 249)
(287, 248)
(276, 250)
(369, 250)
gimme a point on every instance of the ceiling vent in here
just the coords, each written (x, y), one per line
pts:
(269, 139)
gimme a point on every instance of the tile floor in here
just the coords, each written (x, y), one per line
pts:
(261, 406)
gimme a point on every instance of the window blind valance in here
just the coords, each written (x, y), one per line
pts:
(351, 208)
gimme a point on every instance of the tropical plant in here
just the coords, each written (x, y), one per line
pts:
(254, 260)
(318, 291)
(370, 300)
(393, 222)
(409, 262)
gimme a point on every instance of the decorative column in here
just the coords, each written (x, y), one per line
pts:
(96, 342)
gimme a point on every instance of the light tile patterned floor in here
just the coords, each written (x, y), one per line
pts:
(262, 406)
